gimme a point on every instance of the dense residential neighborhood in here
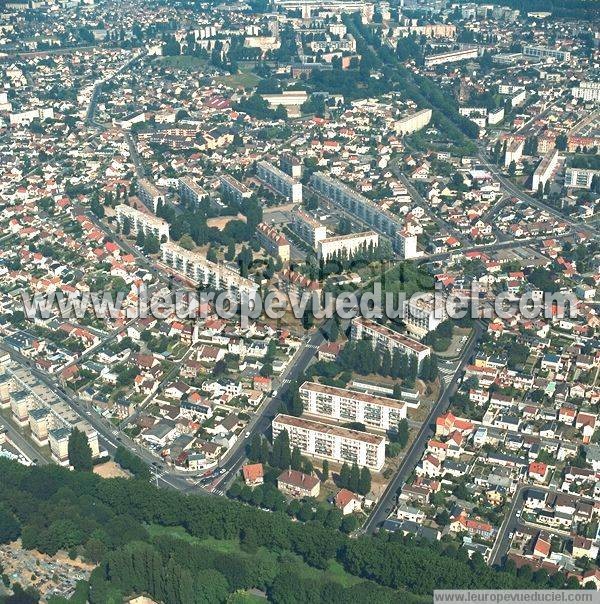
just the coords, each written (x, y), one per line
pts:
(172, 172)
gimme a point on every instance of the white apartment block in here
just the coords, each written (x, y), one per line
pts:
(189, 192)
(358, 206)
(234, 188)
(412, 123)
(384, 338)
(451, 57)
(545, 169)
(377, 412)
(213, 275)
(308, 228)
(514, 151)
(149, 194)
(291, 165)
(588, 91)
(139, 221)
(580, 178)
(421, 316)
(543, 52)
(332, 442)
(347, 245)
(496, 116)
(283, 183)
(24, 118)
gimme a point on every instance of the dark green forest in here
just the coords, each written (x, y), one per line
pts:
(108, 521)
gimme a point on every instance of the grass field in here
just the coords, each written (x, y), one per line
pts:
(244, 79)
(333, 572)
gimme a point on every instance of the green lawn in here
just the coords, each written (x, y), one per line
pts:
(334, 571)
(244, 79)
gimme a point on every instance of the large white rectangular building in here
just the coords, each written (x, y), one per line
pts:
(283, 183)
(150, 194)
(384, 338)
(514, 151)
(580, 178)
(213, 275)
(544, 52)
(308, 228)
(545, 169)
(412, 123)
(588, 91)
(421, 315)
(332, 442)
(190, 193)
(341, 404)
(231, 187)
(140, 221)
(357, 205)
(451, 57)
(347, 245)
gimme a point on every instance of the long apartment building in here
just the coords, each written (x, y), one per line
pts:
(273, 241)
(341, 404)
(413, 122)
(190, 193)
(579, 177)
(140, 221)
(347, 245)
(214, 275)
(149, 194)
(544, 52)
(332, 442)
(231, 187)
(357, 205)
(545, 169)
(384, 338)
(588, 91)
(283, 183)
(514, 151)
(308, 228)
(451, 57)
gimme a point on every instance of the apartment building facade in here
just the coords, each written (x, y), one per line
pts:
(233, 188)
(278, 180)
(347, 245)
(413, 122)
(543, 173)
(421, 315)
(140, 221)
(190, 193)
(384, 338)
(273, 241)
(342, 404)
(308, 228)
(213, 275)
(335, 443)
(149, 194)
(451, 57)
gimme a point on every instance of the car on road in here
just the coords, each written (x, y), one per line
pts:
(247, 434)
(274, 393)
(510, 536)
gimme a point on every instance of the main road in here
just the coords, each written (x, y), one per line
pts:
(385, 504)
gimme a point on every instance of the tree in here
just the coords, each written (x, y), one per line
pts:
(10, 529)
(344, 476)
(354, 478)
(140, 238)
(512, 168)
(80, 454)
(403, 432)
(280, 455)
(325, 470)
(364, 483)
(296, 460)
(561, 142)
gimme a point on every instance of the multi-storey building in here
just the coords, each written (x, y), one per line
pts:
(291, 165)
(421, 315)
(359, 207)
(514, 151)
(451, 57)
(308, 228)
(273, 241)
(496, 116)
(59, 444)
(280, 181)
(332, 442)
(377, 412)
(140, 221)
(413, 122)
(545, 169)
(20, 403)
(347, 245)
(233, 188)
(191, 193)
(588, 91)
(149, 194)
(384, 338)
(544, 52)
(213, 275)
(39, 421)
(580, 178)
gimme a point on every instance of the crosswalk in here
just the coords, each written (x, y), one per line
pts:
(286, 381)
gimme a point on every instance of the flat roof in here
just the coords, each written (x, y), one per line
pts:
(383, 401)
(308, 424)
(393, 335)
